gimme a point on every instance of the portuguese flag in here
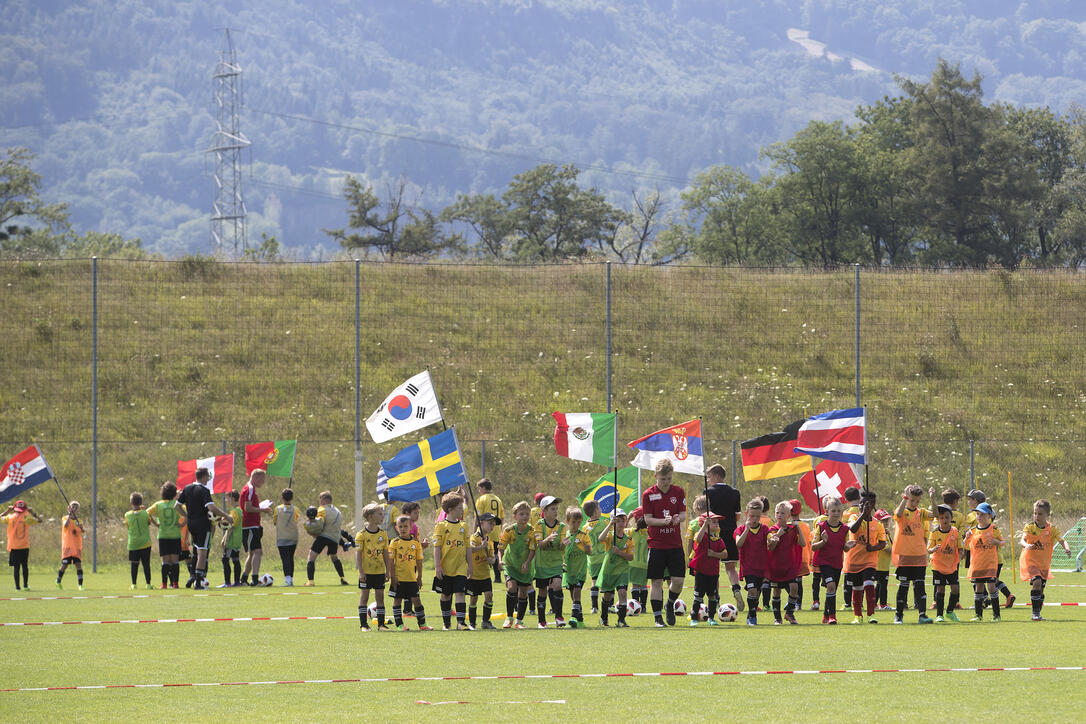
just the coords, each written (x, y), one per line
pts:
(587, 436)
(275, 457)
(774, 455)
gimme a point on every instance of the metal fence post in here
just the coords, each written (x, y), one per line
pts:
(358, 458)
(94, 414)
(231, 482)
(972, 470)
(482, 461)
(857, 266)
(735, 482)
(608, 350)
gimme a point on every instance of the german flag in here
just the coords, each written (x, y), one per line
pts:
(773, 455)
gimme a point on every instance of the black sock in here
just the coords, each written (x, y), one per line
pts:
(15, 572)
(79, 576)
(658, 609)
(920, 597)
(831, 605)
(952, 602)
(793, 605)
(575, 611)
(979, 599)
(622, 609)
(446, 612)
(310, 569)
(226, 569)
(461, 613)
(522, 608)
(408, 607)
(752, 604)
(776, 609)
(531, 598)
(595, 596)
(339, 566)
(557, 602)
(380, 615)
(846, 594)
(135, 566)
(939, 596)
(488, 611)
(362, 622)
(695, 607)
(799, 593)
(541, 607)
(1002, 588)
(994, 600)
(60, 574)
(1036, 599)
(237, 570)
(714, 604)
(473, 614)
(510, 604)
(816, 585)
(605, 608)
(765, 596)
(669, 612)
(397, 612)
(902, 598)
(420, 614)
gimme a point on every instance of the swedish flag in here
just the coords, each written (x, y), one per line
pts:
(603, 491)
(426, 468)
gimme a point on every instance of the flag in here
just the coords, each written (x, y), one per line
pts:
(27, 469)
(773, 455)
(603, 491)
(220, 467)
(426, 468)
(382, 482)
(277, 458)
(411, 406)
(680, 444)
(828, 478)
(587, 436)
(835, 435)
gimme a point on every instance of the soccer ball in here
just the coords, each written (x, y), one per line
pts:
(703, 612)
(727, 612)
(371, 610)
(202, 585)
(266, 579)
(633, 607)
(680, 607)
(225, 523)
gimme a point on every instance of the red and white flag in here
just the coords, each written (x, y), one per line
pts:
(829, 477)
(220, 467)
(22, 472)
(835, 435)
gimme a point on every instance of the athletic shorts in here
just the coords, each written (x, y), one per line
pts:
(1042, 579)
(993, 580)
(754, 583)
(479, 586)
(666, 562)
(372, 582)
(614, 581)
(911, 573)
(784, 584)
(73, 559)
(882, 575)
(829, 573)
(228, 553)
(521, 579)
(706, 584)
(728, 537)
(140, 554)
(201, 539)
(638, 576)
(856, 580)
(570, 585)
(594, 567)
(185, 555)
(944, 579)
(250, 538)
(406, 589)
(542, 583)
(448, 585)
(169, 546)
(19, 556)
(324, 544)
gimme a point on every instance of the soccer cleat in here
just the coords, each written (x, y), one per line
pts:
(898, 619)
(574, 623)
(883, 608)
(343, 582)
(872, 620)
(188, 583)
(130, 588)
(953, 617)
(740, 601)
(364, 628)
(752, 621)
(81, 586)
(660, 624)
(150, 587)
(622, 624)
(308, 583)
(693, 622)
(940, 619)
(518, 626)
(447, 628)
(1036, 617)
(221, 585)
(976, 619)
(669, 615)
(832, 621)
(996, 619)
(790, 618)
(814, 606)
(1010, 601)
(559, 621)
(595, 609)
(382, 627)
(487, 626)
(399, 628)
(825, 618)
(61, 587)
(464, 627)
(712, 622)
(288, 581)
(508, 623)
(858, 619)
(426, 628)
(162, 587)
(541, 624)
(778, 622)
(924, 619)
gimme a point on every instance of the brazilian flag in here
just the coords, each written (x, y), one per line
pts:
(603, 491)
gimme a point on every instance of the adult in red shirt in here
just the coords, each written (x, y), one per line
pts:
(251, 528)
(665, 510)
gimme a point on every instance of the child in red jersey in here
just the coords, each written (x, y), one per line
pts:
(828, 544)
(750, 539)
(785, 543)
(708, 551)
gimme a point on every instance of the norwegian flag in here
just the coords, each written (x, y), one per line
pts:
(22, 472)
(828, 478)
(835, 435)
(220, 467)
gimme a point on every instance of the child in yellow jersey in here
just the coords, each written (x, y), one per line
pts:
(483, 555)
(373, 563)
(701, 507)
(593, 527)
(910, 551)
(984, 542)
(615, 574)
(452, 564)
(882, 568)
(575, 563)
(1039, 539)
(487, 502)
(518, 542)
(944, 547)
(406, 555)
(71, 544)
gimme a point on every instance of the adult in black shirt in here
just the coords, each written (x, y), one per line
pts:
(195, 502)
(724, 501)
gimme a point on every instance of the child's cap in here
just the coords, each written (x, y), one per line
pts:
(539, 497)
(619, 513)
(489, 516)
(710, 516)
(943, 508)
(976, 495)
(796, 507)
(548, 501)
(881, 514)
(20, 505)
(985, 508)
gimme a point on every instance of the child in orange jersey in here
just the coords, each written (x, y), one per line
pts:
(866, 538)
(1039, 539)
(984, 542)
(71, 544)
(910, 552)
(18, 517)
(944, 546)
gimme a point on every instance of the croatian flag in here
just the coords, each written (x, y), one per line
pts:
(839, 435)
(680, 444)
(23, 472)
(220, 467)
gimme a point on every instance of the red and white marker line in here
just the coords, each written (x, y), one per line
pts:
(549, 676)
(175, 620)
(441, 703)
(202, 594)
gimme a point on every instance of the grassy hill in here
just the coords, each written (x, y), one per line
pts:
(196, 355)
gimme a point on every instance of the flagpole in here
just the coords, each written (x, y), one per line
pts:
(865, 440)
(467, 483)
(614, 467)
(818, 491)
(53, 473)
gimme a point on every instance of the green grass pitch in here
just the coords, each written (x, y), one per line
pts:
(251, 651)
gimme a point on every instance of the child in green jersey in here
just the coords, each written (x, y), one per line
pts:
(615, 574)
(231, 541)
(550, 552)
(575, 564)
(518, 542)
(139, 538)
(168, 520)
(593, 527)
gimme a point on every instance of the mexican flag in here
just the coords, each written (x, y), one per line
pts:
(587, 436)
(277, 458)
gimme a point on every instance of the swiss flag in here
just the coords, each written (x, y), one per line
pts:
(833, 478)
(221, 468)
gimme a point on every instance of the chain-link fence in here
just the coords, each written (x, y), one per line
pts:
(193, 353)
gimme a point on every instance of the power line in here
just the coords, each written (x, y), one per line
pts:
(473, 149)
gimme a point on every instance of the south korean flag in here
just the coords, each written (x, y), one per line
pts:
(411, 406)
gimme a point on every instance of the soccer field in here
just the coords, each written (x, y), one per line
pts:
(300, 661)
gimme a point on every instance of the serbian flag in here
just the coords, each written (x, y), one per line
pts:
(835, 435)
(23, 472)
(773, 455)
(829, 477)
(220, 467)
(680, 444)
(276, 458)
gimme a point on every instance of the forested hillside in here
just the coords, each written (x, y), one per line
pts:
(115, 99)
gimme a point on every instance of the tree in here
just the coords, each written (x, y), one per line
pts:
(102, 245)
(28, 226)
(736, 223)
(400, 230)
(267, 251)
(635, 239)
